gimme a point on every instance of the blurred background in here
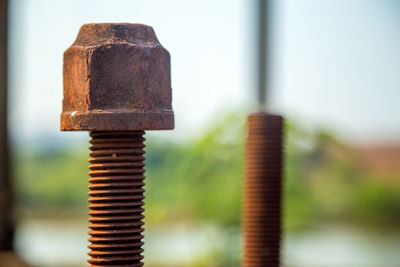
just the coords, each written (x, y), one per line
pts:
(333, 72)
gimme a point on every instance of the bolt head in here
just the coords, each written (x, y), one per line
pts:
(116, 77)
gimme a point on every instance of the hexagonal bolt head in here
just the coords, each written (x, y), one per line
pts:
(116, 78)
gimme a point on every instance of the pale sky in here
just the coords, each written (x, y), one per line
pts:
(336, 63)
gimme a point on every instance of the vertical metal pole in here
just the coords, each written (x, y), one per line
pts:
(6, 196)
(262, 51)
(261, 222)
(262, 190)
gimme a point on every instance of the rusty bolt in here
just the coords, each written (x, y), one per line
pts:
(116, 85)
(262, 193)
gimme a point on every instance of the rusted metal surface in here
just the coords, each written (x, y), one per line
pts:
(116, 85)
(116, 198)
(262, 197)
(116, 77)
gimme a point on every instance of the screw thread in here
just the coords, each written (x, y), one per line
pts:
(262, 193)
(116, 198)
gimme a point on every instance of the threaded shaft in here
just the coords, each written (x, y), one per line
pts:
(262, 196)
(116, 198)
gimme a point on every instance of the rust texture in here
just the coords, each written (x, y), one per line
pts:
(116, 198)
(116, 77)
(262, 193)
(116, 85)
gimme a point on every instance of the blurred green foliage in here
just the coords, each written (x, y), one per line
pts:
(200, 180)
(51, 180)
